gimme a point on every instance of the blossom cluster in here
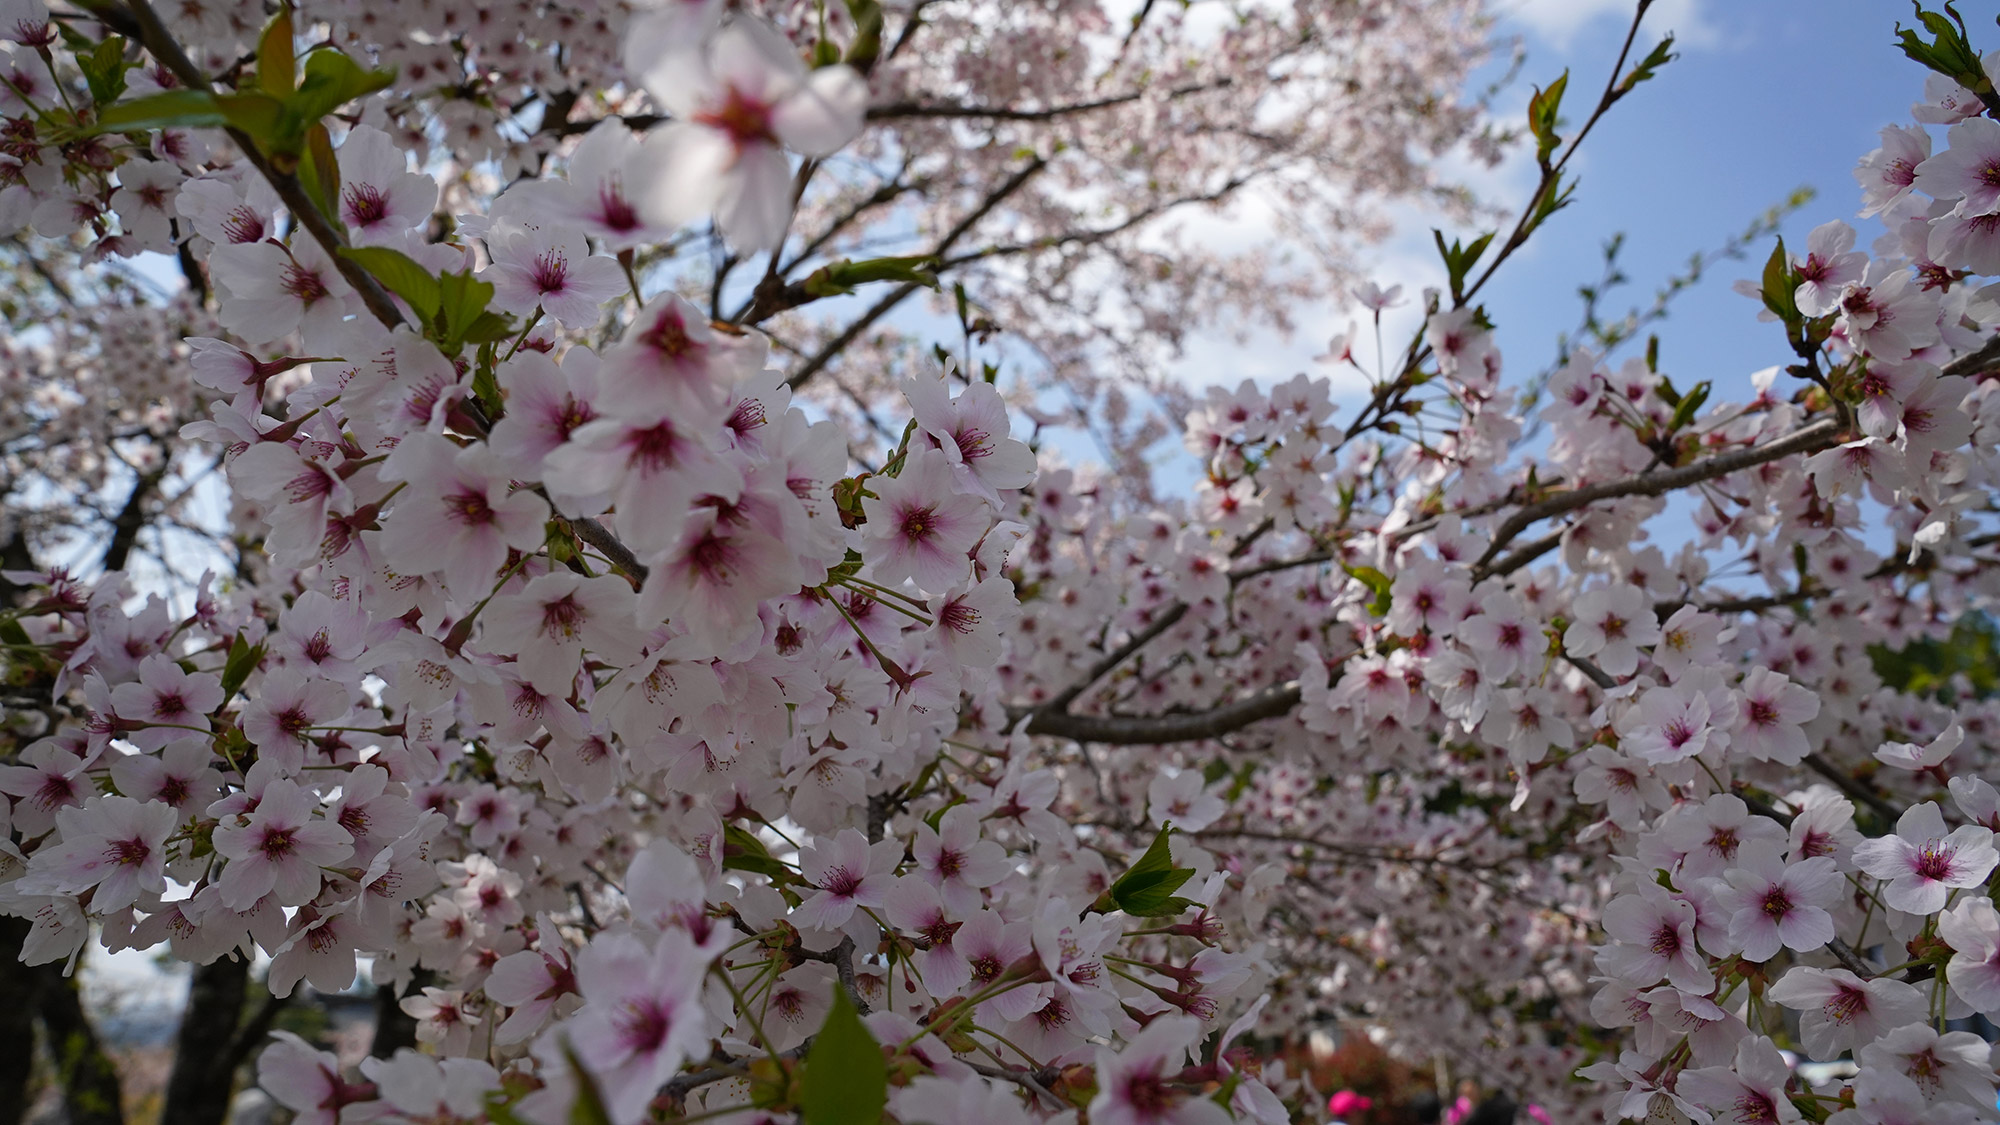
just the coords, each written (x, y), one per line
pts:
(670, 748)
(579, 690)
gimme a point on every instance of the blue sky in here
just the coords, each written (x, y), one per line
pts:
(1766, 96)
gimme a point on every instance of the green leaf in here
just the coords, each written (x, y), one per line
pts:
(1781, 285)
(588, 1109)
(866, 45)
(1459, 260)
(331, 81)
(1146, 890)
(743, 851)
(839, 278)
(489, 327)
(402, 275)
(1543, 110)
(236, 668)
(174, 109)
(1691, 402)
(12, 633)
(1949, 53)
(462, 302)
(1376, 581)
(846, 1081)
(486, 386)
(319, 172)
(277, 58)
(104, 69)
(1648, 66)
(256, 113)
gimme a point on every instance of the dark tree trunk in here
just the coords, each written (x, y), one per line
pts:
(89, 1081)
(125, 526)
(204, 1075)
(17, 1022)
(393, 1026)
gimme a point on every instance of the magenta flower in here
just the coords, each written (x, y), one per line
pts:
(1838, 1010)
(457, 516)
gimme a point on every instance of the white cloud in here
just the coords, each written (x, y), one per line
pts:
(1559, 21)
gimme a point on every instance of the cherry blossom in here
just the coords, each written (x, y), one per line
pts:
(278, 848)
(641, 1016)
(735, 103)
(1922, 862)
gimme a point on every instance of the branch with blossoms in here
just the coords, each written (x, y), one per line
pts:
(671, 749)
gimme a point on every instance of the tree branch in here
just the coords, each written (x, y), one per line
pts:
(1146, 730)
(160, 42)
(1804, 440)
(902, 292)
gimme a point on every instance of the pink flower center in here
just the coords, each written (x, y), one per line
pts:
(919, 524)
(278, 844)
(973, 443)
(959, 617)
(1777, 903)
(244, 225)
(1755, 1107)
(302, 283)
(366, 204)
(551, 271)
(617, 213)
(654, 450)
(469, 507)
(1848, 1003)
(1934, 861)
(841, 883)
(561, 617)
(669, 336)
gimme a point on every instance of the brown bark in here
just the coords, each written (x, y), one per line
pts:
(204, 1075)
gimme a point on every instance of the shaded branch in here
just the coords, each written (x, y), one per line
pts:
(902, 292)
(1145, 730)
(1805, 440)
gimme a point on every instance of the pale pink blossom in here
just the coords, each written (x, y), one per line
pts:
(1922, 863)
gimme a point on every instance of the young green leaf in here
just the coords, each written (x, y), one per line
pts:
(242, 660)
(1146, 890)
(839, 278)
(589, 1108)
(319, 172)
(462, 302)
(174, 109)
(277, 58)
(1376, 581)
(401, 275)
(332, 80)
(846, 1081)
(104, 69)
(1543, 110)
(1648, 66)
(1949, 53)
(743, 851)
(1781, 285)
